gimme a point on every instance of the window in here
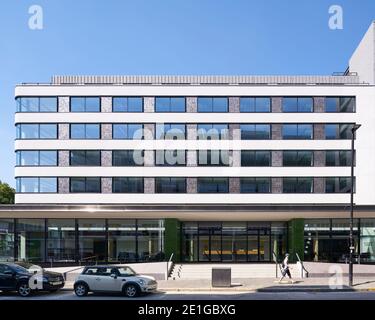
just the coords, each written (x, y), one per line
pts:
(297, 131)
(170, 131)
(122, 240)
(170, 104)
(92, 240)
(212, 104)
(255, 185)
(150, 240)
(61, 242)
(213, 131)
(297, 158)
(338, 184)
(338, 158)
(36, 158)
(85, 158)
(30, 242)
(340, 104)
(85, 185)
(255, 131)
(298, 104)
(84, 104)
(250, 158)
(255, 104)
(338, 131)
(213, 185)
(127, 158)
(36, 131)
(36, 104)
(127, 104)
(170, 157)
(127, 131)
(127, 185)
(170, 185)
(36, 185)
(7, 235)
(297, 185)
(213, 158)
(84, 131)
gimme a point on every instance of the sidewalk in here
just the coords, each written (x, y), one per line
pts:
(263, 285)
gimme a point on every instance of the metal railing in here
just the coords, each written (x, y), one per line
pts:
(169, 268)
(302, 267)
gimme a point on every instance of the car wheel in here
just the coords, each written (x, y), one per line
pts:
(131, 290)
(24, 290)
(81, 290)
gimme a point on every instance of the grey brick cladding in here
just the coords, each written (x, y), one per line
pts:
(191, 104)
(191, 185)
(319, 158)
(319, 185)
(106, 104)
(319, 131)
(63, 104)
(319, 104)
(276, 129)
(106, 183)
(63, 131)
(149, 104)
(149, 185)
(106, 158)
(106, 131)
(234, 185)
(63, 185)
(277, 185)
(63, 158)
(277, 158)
(276, 104)
(234, 104)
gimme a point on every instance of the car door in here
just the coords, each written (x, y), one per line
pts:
(7, 278)
(108, 283)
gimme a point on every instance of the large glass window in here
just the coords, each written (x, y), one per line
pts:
(127, 158)
(297, 158)
(36, 104)
(122, 241)
(297, 185)
(298, 104)
(127, 104)
(36, 185)
(317, 240)
(213, 131)
(170, 104)
(255, 104)
(85, 104)
(130, 131)
(36, 131)
(340, 104)
(255, 131)
(212, 104)
(150, 238)
(30, 239)
(36, 158)
(338, 184)
(6, 239)
(213, 158)
(213, 185)
(367, 240)
(170, 131)
(92, 240)
(85, 185)
(170, 157)
(170, 185)
(85, 131)
(297, 131)
(338, 158)
(255, 185)
(338, 131)
(251, 158)
(85, 158)
(61, 244)
(127, 185)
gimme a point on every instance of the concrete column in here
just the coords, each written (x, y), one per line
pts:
(319, 158)
(149, 158)
(106, 158)
(149, 104)
(149, 131)
(191, 185)
(277, 185)
(319, 104)
(106, 131)
(149, 185)
(63, 131)
(276, 104)
(63, 104)
(234, 131)
(277, 158)
(276, 131)
(63, 158)
(236, 158)
(106, 185)
(234, 185)
(191, 131)
(191, 104)
(234, 104)
(106, 104)
(191, 158)
(63, 185)
(319, 185)
(319, 131)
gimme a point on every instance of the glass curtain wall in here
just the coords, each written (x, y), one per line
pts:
(6, 239)
(122, 240)
(31, 240)
(61, 240)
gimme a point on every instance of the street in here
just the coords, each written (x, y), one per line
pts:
(170, 295)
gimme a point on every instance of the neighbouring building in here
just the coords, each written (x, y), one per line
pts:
(209, 168)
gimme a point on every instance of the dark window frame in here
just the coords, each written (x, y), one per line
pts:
(170, 104)
(85, 165)
(127, 97)
(212, 101)
(85, 106)
(85, 178)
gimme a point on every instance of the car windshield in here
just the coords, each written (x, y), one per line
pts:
(126, 271)
(19, 269)
(28, 266)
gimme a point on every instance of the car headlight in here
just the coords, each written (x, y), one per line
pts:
(142, 282)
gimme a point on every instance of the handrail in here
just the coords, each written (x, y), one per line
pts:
(169, 269)
(277, 265)
(88, 258)
(303, 267)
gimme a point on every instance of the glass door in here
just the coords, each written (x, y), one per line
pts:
(210, 241)
(234, 239)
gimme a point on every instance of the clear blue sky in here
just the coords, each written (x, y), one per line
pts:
(169, 37)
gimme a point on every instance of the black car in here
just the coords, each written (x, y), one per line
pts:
(16, 277)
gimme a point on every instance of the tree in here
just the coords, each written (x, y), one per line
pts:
(6, 193)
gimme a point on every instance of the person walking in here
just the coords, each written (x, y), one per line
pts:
(285, 268)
